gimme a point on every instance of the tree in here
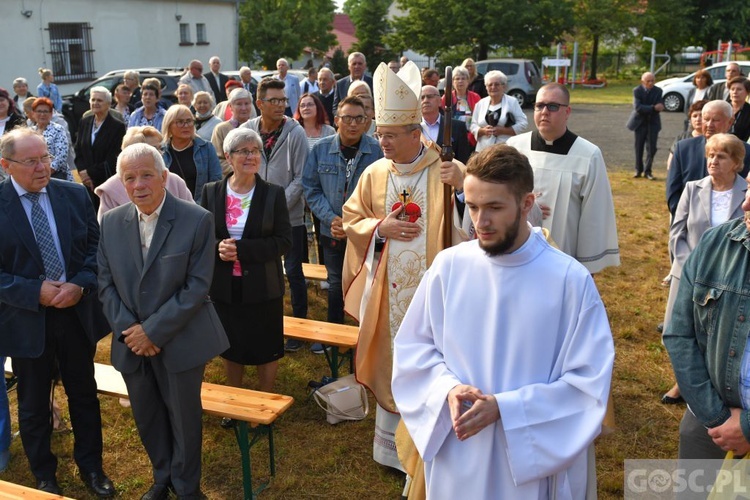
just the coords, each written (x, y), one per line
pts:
(372, 26)
(597, 19)
(722, 20)
(670, 22)
(270, 29)
(430, 26)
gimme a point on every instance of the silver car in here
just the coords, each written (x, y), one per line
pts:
(524, 77)
(675, 90)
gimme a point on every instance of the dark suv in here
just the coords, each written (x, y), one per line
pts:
(74, 106)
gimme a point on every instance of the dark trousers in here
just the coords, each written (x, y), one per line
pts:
(646, 137)
(334, 258)
(67, 348)
(167, 411)
(293, 268)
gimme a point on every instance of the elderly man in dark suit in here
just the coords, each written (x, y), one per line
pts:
(433, 128)
(48, 316)
(689, 160)
(645, 121)
(154, 280)
(217, 80)
(357, 68)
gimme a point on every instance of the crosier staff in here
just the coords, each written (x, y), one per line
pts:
(446, 154)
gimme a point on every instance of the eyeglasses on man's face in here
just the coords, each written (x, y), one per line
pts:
(276, 101)
(388, 137)
(348, 119)
(33, 162)
(551, 106)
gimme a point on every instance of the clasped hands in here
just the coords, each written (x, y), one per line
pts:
(59, 294)
(471, 410)
(728, 436)
(228, 250)
(138, 342)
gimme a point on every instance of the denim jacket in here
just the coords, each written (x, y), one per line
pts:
(324, 177)
(710, 324)
(207, 166)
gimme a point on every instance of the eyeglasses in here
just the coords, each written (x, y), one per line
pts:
(276, 100)
(348, 119)
(551, 106)
(388, 137)
(33, 162)
(495, 84)
(246, 152)
(306, 105)
(184, 123)
(429, 96)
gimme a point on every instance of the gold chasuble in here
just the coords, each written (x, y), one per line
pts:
(376, 295)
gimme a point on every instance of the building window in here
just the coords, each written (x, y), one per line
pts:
(200, 34)
(185, 34)
(71, 52)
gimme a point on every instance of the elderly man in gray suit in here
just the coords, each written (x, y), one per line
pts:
(153, 282)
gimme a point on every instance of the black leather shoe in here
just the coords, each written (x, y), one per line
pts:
(669, 400)
(198, 495)
(99, 484)
(157, 492)
(49, 486)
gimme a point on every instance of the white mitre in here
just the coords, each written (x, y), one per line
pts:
(397, 95)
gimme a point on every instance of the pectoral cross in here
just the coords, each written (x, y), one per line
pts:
(404, 197)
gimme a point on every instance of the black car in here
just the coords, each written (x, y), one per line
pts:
(74, 106)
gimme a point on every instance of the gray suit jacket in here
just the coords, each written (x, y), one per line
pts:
(693, 217)
(168, 293)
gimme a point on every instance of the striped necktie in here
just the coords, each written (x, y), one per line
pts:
(52, 265)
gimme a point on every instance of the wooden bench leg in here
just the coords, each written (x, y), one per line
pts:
(240, 430)
(246, 442)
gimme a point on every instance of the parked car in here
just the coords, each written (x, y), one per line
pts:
(524, 77)
(676, 89)
(75, 105)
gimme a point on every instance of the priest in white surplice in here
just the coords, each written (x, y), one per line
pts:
(394, 226)
(503, 362)
(570, 179)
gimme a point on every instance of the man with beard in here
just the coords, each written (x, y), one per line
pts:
(571, 183)
(503, 398)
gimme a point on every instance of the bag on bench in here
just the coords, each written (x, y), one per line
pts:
(343, 399)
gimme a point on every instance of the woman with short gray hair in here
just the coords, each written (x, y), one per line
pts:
(205, 121)
(252, 233)
(497, 116)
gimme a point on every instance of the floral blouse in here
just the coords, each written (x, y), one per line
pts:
(57, 144)
(238, 208)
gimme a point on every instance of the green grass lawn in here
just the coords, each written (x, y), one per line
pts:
(613, 93)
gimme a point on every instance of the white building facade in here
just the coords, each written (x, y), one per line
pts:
(80, 40)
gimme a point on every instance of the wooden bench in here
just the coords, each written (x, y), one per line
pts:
(315, 272)
(259, 409)
(330, 334)
(12, 491)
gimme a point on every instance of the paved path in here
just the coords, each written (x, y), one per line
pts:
(604, 125)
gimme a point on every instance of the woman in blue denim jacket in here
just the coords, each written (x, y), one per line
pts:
(186, 154)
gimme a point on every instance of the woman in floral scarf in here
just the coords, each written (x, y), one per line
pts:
(252, 233)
